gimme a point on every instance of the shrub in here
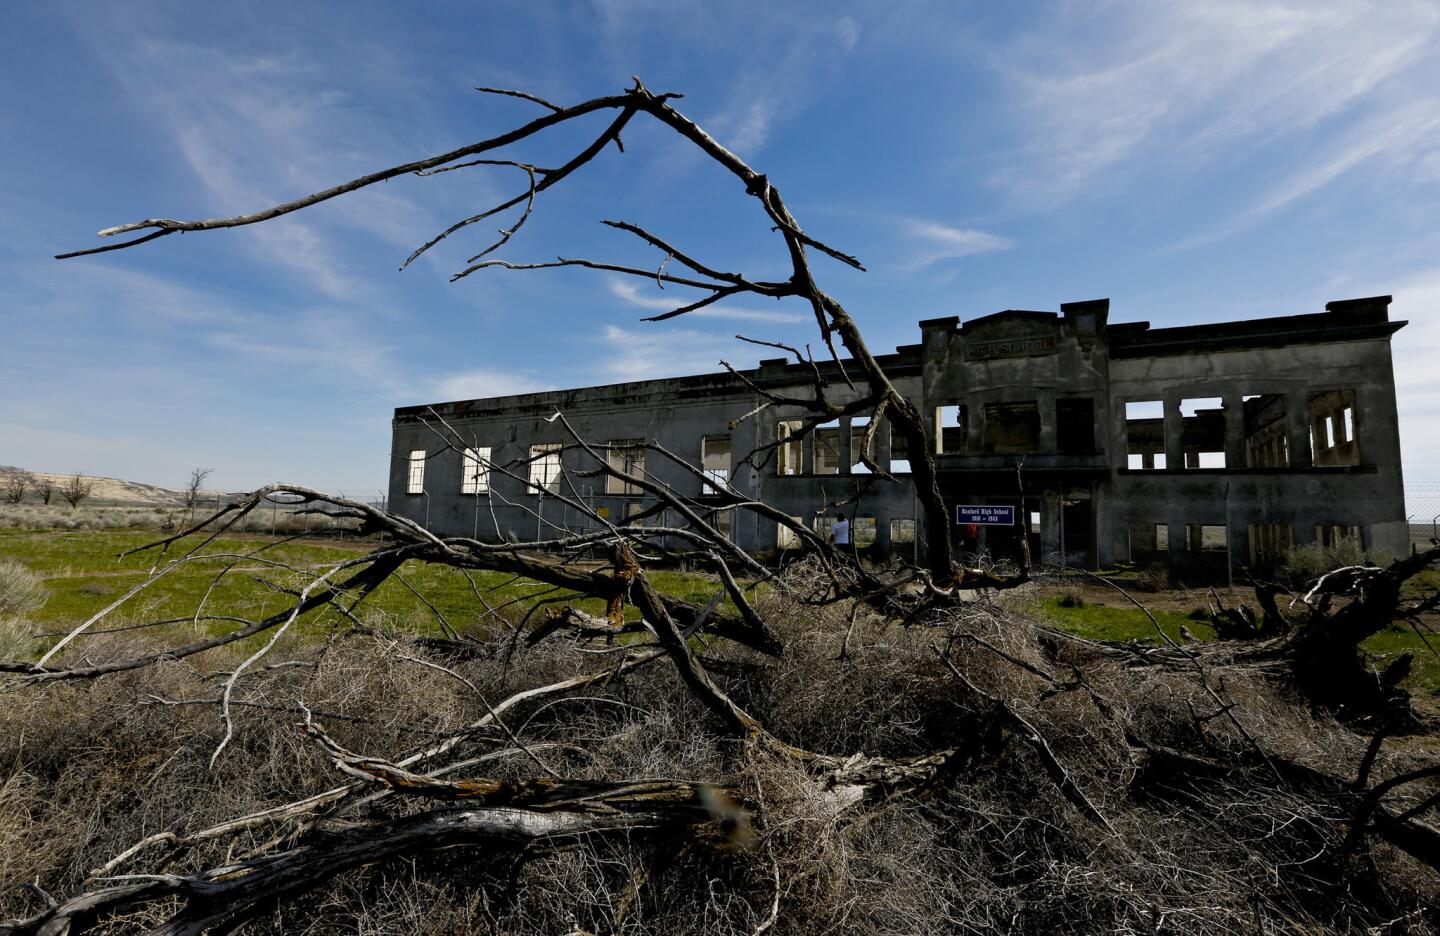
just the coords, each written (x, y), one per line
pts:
(21, 592)
(1302, 563)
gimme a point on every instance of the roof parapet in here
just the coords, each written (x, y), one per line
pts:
(1087, 319)
(1370, 308)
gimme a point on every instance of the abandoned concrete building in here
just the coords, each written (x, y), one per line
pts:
(1140, 444)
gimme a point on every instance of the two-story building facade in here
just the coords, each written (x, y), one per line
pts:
(1112, 442)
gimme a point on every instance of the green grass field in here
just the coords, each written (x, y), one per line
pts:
(83, 573)
(1104, 622)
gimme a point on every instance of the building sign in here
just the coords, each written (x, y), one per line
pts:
(1009, 348)
(985, 514)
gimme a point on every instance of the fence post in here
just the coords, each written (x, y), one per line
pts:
(1229, 543)
(915, 540)
(1062, 535)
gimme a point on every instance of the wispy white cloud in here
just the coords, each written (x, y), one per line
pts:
(320, 340)
(258, 129)
(91, 290)
(1392, 138)
(650, 353)
(779, 82)
(483, 383)
(934, 242)
(627, 291)
(1415, 349)
(1190, 79)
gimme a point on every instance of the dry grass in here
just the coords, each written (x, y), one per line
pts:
(87, 769)
(21, 592)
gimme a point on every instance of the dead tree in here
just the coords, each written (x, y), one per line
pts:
(1316, 637)
(13, 485)
(76, 488)
(879, 396)
(193, 485)
(45, 487)
(550, 810)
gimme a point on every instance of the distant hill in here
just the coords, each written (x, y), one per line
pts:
(117, 491)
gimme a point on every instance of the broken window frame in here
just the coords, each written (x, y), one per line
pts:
(415, 472)
(1333, 418)
(957, 430)
(627, 455)
(715, 464)
(1133, 421)
(826, 447)
(902, 530)
(545, 468)
(996, 442)
(859, 425)
(1193, 427)
(1198, 534)
(863, 531)
(1265, 445)
(1269, 542)
(899, 462)
(475, 470)
(1332, 535)
(1070, 440)
(790, 447)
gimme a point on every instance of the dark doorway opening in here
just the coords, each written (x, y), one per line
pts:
(1078, 535)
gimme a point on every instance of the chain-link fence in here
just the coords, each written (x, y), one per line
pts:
(1226, 531)
(1422, 512)
(282, 514)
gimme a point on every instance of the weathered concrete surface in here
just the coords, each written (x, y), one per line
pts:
(1314, 452)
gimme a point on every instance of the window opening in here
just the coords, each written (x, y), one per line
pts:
(1202, 432)
(715, 462)
(827, 448)
(1205, 537)
(899, 453)
(1330, 535)
(1145, 435)
(545, 467)
(1268, 543)
(1012, 428)
(415, 482)
(858, 427)
(1267, 431)
(951, 429)
(1332, 428)
(627, 456)
(791, 450)
(475, 470)
(1075, 424)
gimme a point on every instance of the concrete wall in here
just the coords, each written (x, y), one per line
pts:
(1000, 364)
(1368, 495)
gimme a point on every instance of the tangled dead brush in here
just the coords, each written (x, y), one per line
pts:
(862, 751)
(1091, 790)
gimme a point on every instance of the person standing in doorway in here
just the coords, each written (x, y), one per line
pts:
(840, 530)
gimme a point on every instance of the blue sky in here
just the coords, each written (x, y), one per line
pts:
(1193, 161)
